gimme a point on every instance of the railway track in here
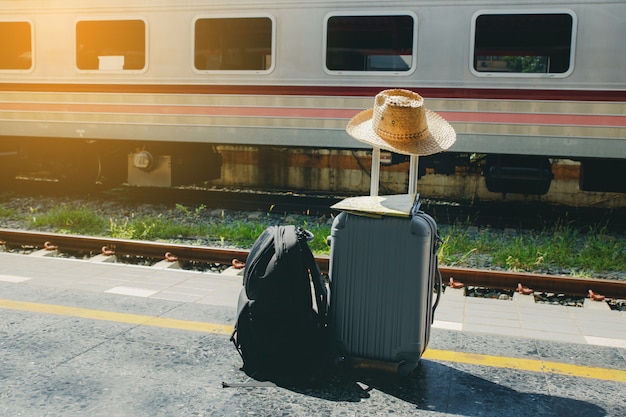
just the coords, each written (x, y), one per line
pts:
(495, 214)
(159, 251)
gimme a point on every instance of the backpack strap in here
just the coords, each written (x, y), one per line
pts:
(321, 291)
(249, 384)
(242, 308)
(259, 262)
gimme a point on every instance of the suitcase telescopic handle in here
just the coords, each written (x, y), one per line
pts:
(375, 173)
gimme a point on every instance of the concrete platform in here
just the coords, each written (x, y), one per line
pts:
(594, 324)
(103, 339)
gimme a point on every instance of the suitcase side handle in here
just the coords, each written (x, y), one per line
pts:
(438, 286)
(438, 279)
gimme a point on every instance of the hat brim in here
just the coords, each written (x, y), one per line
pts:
(441, 135)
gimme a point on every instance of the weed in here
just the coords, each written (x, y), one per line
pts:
(188, 213)
(7, 212)
(151, 228)
(120, 231)
(182, 208)
(81, 220)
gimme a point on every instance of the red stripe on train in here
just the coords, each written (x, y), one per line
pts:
(304, 90)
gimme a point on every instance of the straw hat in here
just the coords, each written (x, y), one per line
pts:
(400, 123)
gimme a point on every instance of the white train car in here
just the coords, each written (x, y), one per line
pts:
(149, 91)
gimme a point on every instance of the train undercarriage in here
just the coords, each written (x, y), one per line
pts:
(456, 176)
(81, 165)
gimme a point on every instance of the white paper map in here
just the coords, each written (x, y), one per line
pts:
(382, 205)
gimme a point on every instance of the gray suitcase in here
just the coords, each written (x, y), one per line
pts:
(383, 270)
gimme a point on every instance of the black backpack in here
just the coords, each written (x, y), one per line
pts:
(281, 331)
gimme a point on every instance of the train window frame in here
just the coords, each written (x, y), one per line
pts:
(112, 65)
(378, 73)
(32, 47)
(510, 74)
(273, 46)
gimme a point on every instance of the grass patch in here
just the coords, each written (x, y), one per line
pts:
(244, 234)
(561, 248)
(63, 219)
(153, 228)
(602, 251)
(239, 233)
(7, 212)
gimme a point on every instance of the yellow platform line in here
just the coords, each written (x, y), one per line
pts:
(127, 318)
(529, 365)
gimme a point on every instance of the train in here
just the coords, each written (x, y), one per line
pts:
(227, 92)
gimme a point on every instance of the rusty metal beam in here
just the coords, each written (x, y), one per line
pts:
(539, 282)
(470, 277)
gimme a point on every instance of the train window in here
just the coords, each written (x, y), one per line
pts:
(233, 44)
(530, 43)
(16, 47)
(384, 43)
(111, 45)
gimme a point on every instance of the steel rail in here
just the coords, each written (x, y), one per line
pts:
(157, 250)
